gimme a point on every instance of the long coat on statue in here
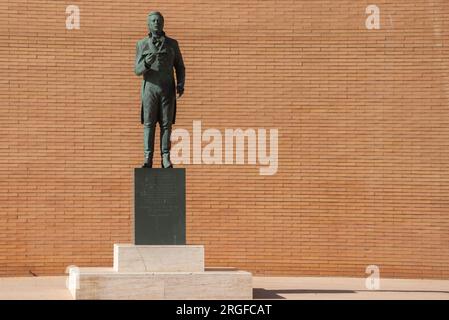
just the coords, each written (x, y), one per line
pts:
(160, 72)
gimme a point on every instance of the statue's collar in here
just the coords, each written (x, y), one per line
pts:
(161, 36)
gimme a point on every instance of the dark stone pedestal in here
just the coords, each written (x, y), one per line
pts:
(159, 206)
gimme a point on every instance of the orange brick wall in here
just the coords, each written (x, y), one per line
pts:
(363, 120)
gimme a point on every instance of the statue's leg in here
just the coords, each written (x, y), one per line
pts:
(149, 128)
(165, 123)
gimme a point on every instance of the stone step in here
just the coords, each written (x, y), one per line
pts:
(158, 258)
(106, 283)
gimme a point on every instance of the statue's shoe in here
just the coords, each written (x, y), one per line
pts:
(166, 163)
(147, 164)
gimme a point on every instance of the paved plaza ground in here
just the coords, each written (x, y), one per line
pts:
(300, 288)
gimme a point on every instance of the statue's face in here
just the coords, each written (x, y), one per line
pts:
(155, 23)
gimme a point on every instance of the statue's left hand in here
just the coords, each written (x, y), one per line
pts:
(180, 91)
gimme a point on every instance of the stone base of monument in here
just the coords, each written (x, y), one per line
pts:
(159, 272)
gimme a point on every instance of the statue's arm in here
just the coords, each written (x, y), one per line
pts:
(139, 67)
(143, 61)
(179, 67)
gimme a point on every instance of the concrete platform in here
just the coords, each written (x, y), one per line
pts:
(160, 258)
(106, 283)
(159, 272)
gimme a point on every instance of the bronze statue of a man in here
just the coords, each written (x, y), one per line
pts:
(156, 56)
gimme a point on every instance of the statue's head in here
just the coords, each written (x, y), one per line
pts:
(155, 22)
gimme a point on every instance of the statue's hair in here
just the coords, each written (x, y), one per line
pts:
(154, 13)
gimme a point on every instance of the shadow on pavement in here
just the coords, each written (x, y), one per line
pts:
(260, 293)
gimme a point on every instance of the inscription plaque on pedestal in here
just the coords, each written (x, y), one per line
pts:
(159, 206)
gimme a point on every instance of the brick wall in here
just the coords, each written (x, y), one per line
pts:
(362, 115)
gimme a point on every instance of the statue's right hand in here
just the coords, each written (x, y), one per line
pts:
(149, 58)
